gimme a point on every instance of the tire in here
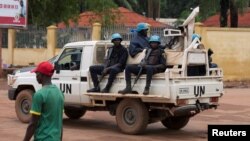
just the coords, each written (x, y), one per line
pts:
(23, 104)
(175, 123)
(132, 116)
(74, 113)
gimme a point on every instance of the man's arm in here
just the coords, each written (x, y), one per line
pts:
(162, 64)
(62, 133)
(31, 127)
(134, 49)
(122, 59)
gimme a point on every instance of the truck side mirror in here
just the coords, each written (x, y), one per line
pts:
(57, 67)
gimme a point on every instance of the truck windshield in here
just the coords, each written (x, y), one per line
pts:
(70, 59)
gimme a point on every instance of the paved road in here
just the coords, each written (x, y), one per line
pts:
(100, 126)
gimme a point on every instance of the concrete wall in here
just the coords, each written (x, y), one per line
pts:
(4, 55)
(231, 48)
(25, 56)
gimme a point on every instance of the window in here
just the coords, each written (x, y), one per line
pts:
(101, 52)
(70, 59)
(100, 55)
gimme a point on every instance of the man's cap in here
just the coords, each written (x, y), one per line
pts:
(141, 26)
(45, 68)
(155, 38)
(196, 36)
(116, 36)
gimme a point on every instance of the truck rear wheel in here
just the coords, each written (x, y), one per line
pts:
(132, 116)
(175, 123)
(74, 113)
(23, 104)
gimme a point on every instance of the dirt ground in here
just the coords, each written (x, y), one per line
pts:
(237, 84)
(100, 126)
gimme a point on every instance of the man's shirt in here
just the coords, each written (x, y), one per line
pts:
(48, 103)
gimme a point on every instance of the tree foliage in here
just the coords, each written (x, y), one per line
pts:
(177, 8)
(105, 10)
(48, 12)
(234, 7)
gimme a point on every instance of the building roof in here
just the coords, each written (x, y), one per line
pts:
(126, 18)
(214, 21)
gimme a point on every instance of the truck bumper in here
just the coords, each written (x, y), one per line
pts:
(11, 93)
(191, 110)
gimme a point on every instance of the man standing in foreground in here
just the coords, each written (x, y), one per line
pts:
(47, 108)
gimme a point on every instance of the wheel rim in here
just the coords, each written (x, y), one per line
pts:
(25, 106)
(129, 116)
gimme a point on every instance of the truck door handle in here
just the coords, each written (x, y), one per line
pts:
(74, 78)
(55, 78)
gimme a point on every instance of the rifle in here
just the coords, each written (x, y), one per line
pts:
(106, 65)
(143, 62)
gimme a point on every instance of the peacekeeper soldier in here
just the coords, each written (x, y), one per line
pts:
(115, 63)
(47, 108)
(154, 62)
(140, 40)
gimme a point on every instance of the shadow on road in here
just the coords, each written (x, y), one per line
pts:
(153, 130)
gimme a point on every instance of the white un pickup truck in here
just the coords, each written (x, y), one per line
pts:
(187, 87)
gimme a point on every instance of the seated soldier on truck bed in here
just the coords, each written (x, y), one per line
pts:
(140, 40)
(115, 63)
(154, 62)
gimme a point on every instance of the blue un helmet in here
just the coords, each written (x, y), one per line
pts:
(155, 38)
(196, 36)
(141, 26)
(116, 36)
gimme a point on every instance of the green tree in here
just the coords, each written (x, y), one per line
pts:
(234, 7)
(138, 6)
(153, 9)
(103, 9)
(177, 8)
(129, 4)
(48, 12)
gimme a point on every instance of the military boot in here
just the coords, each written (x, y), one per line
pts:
(146, 91)
(107, 88)
(95, 89)
(125, 91)
(128, 89)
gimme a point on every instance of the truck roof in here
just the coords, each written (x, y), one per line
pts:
(91, 43)
(82, 43)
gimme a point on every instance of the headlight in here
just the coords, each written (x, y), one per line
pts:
(17, 71)
(11, 79)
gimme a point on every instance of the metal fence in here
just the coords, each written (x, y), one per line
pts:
(127, 32)
(67, 35)
(33, 37)
(4, 38)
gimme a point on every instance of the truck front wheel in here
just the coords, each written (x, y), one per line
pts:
(175, 123)
(132, 116)
(23, 105)
(74, 113)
